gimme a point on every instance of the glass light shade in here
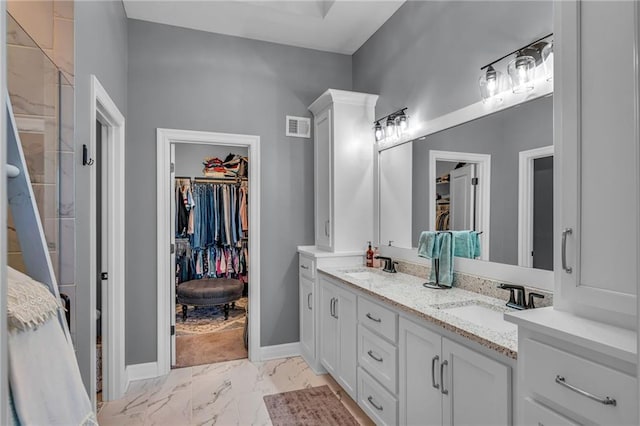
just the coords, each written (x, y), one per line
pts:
(390, 129)
(402, 124)
(522, 73)
(491, 84)
(547, 60)
(378, 132)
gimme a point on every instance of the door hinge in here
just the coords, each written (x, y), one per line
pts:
(474, 181)
(172, 167)
(532, 253)
(173, 330)
(173, 248)
(104, 276)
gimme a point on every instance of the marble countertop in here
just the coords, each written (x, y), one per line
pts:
(440, 307)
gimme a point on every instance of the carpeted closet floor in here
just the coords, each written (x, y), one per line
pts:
(206, 337)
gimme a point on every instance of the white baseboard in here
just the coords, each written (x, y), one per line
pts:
(286, 350)
(147, 370)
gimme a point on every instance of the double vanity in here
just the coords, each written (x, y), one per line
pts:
(407, 354)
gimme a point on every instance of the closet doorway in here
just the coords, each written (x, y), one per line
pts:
(208, 241)
(210, 253)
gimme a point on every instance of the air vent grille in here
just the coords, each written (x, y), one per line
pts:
(298, 127)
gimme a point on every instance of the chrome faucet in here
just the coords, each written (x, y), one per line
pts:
(389, 264)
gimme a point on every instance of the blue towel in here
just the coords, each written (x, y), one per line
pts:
(466, 244)
(438, 246)
(428, 245)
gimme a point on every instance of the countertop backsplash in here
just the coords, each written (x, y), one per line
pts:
(484, 286)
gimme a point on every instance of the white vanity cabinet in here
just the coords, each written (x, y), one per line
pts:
(343, 161)
(338, 327)
(445, 383)
(310, 258)
(596, 142)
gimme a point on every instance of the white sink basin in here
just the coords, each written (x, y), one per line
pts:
(363, 275)
(485, 316)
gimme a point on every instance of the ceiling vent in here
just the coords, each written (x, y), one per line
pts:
(298, 127)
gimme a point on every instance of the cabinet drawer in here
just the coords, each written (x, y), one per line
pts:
(307, 267)
(378, 357)
(379, 404)
(378, 318)
(534, 414)
(544, 366)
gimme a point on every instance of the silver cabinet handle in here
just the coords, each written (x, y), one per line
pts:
(373, 318)
(335, 308)
(376, 406)
(304, 267)
(331, 307)
(309, 301)
(565, 232)
(434, 361)
(326, 228)
(443, 390)
(370, 353)
(606, 400)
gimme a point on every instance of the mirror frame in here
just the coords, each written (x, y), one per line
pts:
(495, 271)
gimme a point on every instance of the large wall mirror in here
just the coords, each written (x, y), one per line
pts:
(493, 175)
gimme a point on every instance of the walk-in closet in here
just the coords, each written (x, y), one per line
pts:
(210, 253)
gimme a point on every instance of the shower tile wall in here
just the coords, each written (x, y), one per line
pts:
(40, 82)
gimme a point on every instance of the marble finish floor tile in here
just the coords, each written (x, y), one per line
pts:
(226, 393)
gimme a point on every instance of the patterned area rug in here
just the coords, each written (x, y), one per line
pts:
(209, 319)
(310, 407)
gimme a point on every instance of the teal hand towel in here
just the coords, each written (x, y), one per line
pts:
(428, 245)
(445, 257)
(466, 244)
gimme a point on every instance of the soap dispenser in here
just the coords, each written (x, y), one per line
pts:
(369, 256)
(376, 261)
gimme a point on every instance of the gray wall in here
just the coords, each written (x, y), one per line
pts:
(428, 55)
(189, 157)
(187, 79)
(101, 49)
(502, 135)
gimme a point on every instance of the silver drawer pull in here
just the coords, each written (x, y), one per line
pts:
(376, 406)
(565, 232)
(443, 390)
(606, 400)
(309, 301)
(374, 357)
(434, 361)
(304, 267)
(373, 318)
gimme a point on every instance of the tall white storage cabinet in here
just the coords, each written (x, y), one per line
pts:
(344, 149)
(577, 361)
(596, 132)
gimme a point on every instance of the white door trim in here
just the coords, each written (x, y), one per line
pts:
(113, 371)
(525, 202)
(166, 137)
(483, 196)
(4, 388)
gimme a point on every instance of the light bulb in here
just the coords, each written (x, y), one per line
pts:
(378, 132)
(490, 84)
(521, 72)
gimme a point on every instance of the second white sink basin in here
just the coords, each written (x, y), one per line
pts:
(486, 316)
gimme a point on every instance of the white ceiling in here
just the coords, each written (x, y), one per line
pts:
(340, 26)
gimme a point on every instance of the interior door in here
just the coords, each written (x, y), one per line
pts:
(172, 232)
(323, 180)
(542, 250)
(463, 198)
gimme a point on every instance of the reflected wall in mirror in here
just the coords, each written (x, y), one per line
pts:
(510, 153)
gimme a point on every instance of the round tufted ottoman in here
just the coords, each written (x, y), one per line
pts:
(209, 292)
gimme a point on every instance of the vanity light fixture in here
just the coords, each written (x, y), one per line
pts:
(521, 69)
(396, 125)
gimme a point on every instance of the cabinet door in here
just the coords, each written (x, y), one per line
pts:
(419, 396)
(476, 389)
(323, 164)
(595, 132)
(307, 332)
(328, 327)
(348, 341)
